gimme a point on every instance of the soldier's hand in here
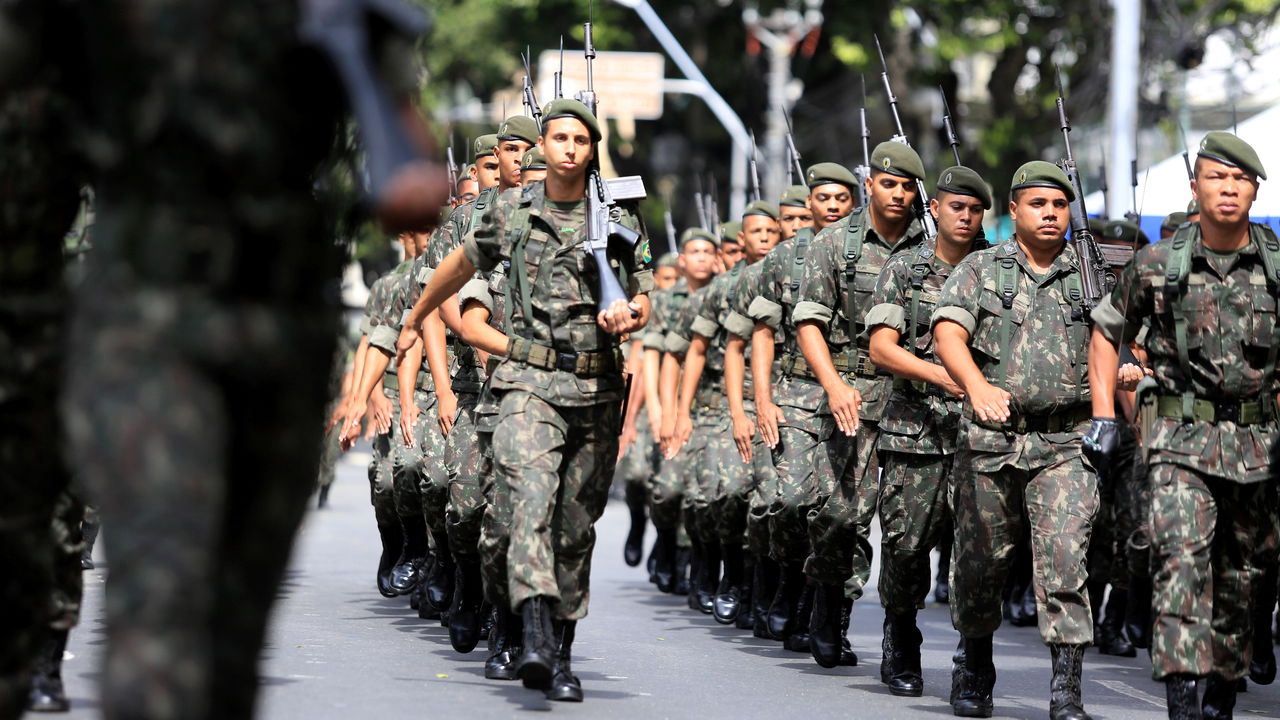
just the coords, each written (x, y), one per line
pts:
(409, 413)
(1129, 375)
(339, 412)
(684, 428)
(666, 433)
(351, 424)
(846, 403)
(447, 409)
(410, 335)
(743, 431)
(621, 317)
(768, 417)
(990, 403)
(655, 418)
(380, 412)
(1100, 444)
(625, 439)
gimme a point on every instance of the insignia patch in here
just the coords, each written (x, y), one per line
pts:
(648, 256)
(1022, 177)
(887, 162)
(947, 179)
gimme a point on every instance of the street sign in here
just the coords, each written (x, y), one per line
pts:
(628, 84)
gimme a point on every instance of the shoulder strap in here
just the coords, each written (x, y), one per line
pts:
(1269, 248)
(1175, 277)
(518, 237)
(853, 237)
(919, 271)
(801, 243)
(1007, 285)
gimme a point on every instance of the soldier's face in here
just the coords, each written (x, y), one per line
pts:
(529, 175)
(487, 171)
(467, 189)
(509, 153)
(791, 219)
(1040, 215)
(959, 216)
(665, 277)
(566, 144)
(759, 234)
(829, 203)
(420, 241)
(1225, 193)
(410, 247)
(730, 253)
(891, 196)
(699, 259)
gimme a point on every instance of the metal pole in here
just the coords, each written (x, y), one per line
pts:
(1122, 103)
(725, 114)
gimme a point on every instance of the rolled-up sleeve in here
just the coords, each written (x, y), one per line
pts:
(886, 314)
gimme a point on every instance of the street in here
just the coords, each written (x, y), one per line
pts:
(337, 649)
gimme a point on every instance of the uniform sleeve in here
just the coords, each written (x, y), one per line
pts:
(707, 321)
(640, 270)
(959, 298)
(386, 333)
(766, 306)
(483, 244)
(818, 294)
(1123, 326)
(653, 333)
(476, 290)
(888, 301)
(678, 331)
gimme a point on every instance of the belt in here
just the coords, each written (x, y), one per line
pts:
(1057, 422)
(391, 382)
(1250, 412)
(708, 398)
(919, 388)
(586, 364)
(793, 364)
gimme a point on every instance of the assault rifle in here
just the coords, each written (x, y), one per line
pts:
(921, 206)
(1092, 266)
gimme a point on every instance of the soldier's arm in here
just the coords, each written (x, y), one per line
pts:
(768, 414)
(887, 321)
(1116, 319)
(407, 380)
(669, 381)
(478, 333)
(735, 372)
(652, 395)
(438, 364)
(818, 295)
(695, 359)
(953, 323)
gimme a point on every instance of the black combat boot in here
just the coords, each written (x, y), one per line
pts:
(1110, 637)
(746, 589)
(504, 645)
(684, 558)
(1180, 696)
(905, 678)
(89, 536)
(1262, 667)
(708, 577)
(727, 602)
(633, 548)
(651, 562)
(322, 497)
(1219, 698)
(47, 693)
(464, 613)
(825, 624)
(392, 536)
(439, 580)
(565, 686)
(798, 640)
(694, 575)
(763, 587)
(942, 584)
(782, 610)
(538, 647)
(973, 680)
(664, 561)
(418, 597)
(1064, 688)
(407, 573)
(847, 657)
(1137, 611)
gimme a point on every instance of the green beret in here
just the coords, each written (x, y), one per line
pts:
(898, 159)
(729, 231)
(484, 146)
(828, 172)
(1173, 221)
(566, 107)
(692, 234)
(519, 127)
(960, 180)
(533, 160)
(1121, 231)
(668, 260)
(1193, 208)
(1039, 173)
(760, 207)
(795, 196)
(1231, 150)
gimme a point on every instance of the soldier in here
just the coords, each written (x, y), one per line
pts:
(1209, 298)
(918, 429)
(1009, 330)
(468, 188)
(793, 212)
(486, 162)
(533, 166)
(730, 244)
(666, 271)
(840, 272)
(1171, 223)
(559, 388)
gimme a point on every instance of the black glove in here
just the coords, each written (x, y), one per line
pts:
(1100, 444)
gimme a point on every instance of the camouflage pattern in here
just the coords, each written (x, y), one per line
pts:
(68, 542)
(840, 529)
(382, 493)
(1003, 478)
(463, 462)
(1213, 513)
(914, 518)
(558, 447)
(666, 486)
(642, 459)
(488, 500)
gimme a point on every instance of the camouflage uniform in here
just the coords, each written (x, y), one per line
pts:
(1213, 507)
(917, 433)
(666, 486)
(382, 493)
(841, 528)
(557, 453)
(1029, 470)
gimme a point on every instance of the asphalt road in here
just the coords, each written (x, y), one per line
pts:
(337, 649)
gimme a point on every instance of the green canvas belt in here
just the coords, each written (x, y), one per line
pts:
(1212, 411)
(586, 364)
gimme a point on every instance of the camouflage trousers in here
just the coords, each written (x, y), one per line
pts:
(666, 491)
(422, 467)
(68, 543)
(642, 458)
(914, 518)
(804, 460)
(408, 463)
(763, 497)
(707, 453)
(1210, 539)
(382, 486)
(736, 491)
(1059, 500)
(330, 450)
(840, 528)
(495, 522)
(557, 463)
(463, 461)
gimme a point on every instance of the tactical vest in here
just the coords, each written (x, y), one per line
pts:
(1007, 287)
(854, 235)
(920, 270)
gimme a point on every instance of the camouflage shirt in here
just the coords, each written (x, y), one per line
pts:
(561, 281)
(825, 296)
(920, 418)
(665, 304)
(1230, 328)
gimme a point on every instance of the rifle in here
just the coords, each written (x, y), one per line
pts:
(603, 211)
(1133, 216)
(1092, 267)
(559, 75)
(922, 197)
(452, 169)
(949, 127)
(1186, 158)
(713, 206)
(1102, 185)
(531, 105)
(793, 154)
(755, 173)
(863, 171)
(670, 224)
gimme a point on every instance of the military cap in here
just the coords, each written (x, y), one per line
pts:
(566, 107)
(1121, 231)
(1172, 222)
(694, 233)
(729, 231)
(795, 196)
(1231, 150)
(519, 127)
(533, 160)
(468, 169)
(667, 260)
(760, 207)
(828, 172)
(484, 145)
(898, 159)
(960, 180)
(1193, 208)
(1039, 173)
